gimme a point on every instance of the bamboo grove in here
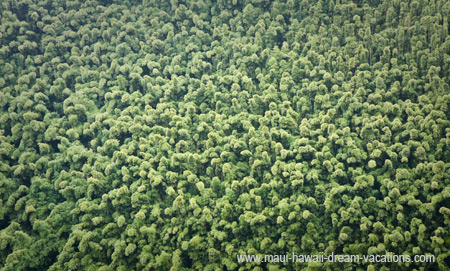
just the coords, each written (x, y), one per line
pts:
(176, 135)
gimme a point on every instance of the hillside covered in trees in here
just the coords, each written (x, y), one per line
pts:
(176, 135)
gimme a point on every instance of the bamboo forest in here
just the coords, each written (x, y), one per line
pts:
(183, 134)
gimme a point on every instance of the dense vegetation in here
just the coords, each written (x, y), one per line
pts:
(157, 135)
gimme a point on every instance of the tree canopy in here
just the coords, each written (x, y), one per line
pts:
(176, 135)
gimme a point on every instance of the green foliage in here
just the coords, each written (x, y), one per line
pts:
(175, 135)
